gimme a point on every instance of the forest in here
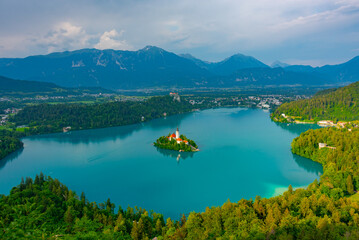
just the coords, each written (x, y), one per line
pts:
(49, 118)
(9, 142)
(334, 104)
(340, 159)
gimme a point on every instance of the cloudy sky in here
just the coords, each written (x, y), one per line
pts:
(315, 32)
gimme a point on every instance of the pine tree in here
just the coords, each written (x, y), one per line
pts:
(69, 217)
(350, 187)
(158, 227)
(135, 233)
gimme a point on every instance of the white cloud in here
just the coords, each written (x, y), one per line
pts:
(209, 29)
(110, 40)
(64, 36)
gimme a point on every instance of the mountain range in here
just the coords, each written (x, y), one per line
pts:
(153, 67)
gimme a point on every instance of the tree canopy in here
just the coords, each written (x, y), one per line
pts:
(336, 104)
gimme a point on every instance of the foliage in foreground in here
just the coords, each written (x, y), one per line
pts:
(339, 104)
(325, 210)
(46, 208)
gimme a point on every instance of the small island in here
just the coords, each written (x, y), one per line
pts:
(176, 142)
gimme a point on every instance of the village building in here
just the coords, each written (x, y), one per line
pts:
(175, 96)
(324, 145)
(325, 123)
(66, 129)
(341, 124)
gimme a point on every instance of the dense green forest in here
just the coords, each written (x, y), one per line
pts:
(165, 143)
(48, 118)
(341, 171)
(337, 104)
(9, 142)
(44, 208)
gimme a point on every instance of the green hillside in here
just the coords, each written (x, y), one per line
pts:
(8, 85)
(22, 88)
(340, 104)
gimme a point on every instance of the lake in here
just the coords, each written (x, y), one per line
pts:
(242, 154)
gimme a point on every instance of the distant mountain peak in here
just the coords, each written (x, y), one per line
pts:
(187, 55)
(280, 64)
(235, 63)
(151, 48)
(238, 56)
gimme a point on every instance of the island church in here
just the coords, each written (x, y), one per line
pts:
(177, 137)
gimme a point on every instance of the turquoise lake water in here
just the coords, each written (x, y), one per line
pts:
(243, 154)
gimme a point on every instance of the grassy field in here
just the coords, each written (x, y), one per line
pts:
(21, 129)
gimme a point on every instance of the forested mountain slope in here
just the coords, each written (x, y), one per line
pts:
(8, 85)
(338, 104)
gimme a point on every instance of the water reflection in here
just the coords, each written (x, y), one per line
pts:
(297, 128)
(308, 164)
(112, 133)
(174, 154)
(168, 122)
(10, 157)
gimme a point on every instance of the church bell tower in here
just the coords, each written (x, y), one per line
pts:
(177, 133)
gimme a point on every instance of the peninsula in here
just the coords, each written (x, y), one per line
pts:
(176, 142)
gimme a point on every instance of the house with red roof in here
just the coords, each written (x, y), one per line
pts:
(176, 136)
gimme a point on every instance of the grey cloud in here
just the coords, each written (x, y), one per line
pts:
(298, 30)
